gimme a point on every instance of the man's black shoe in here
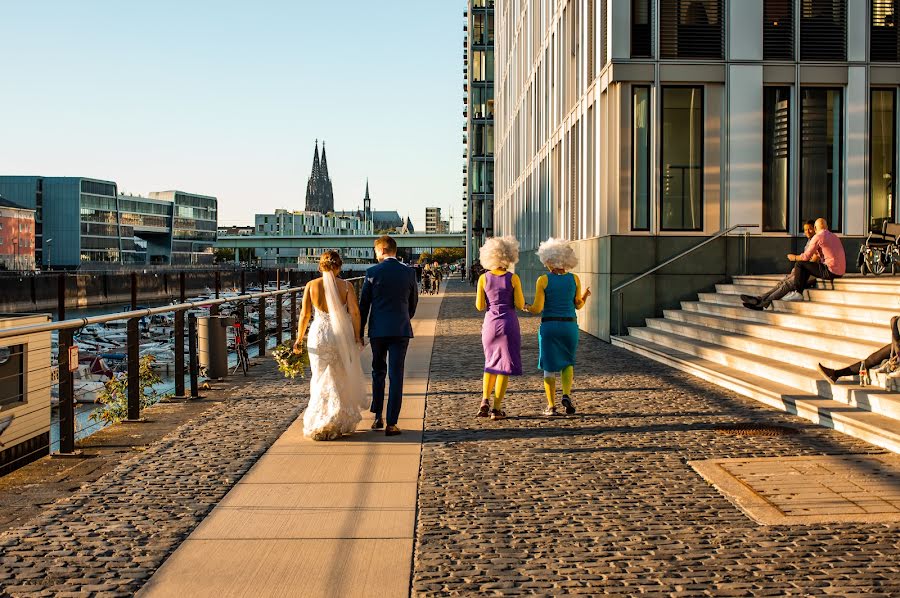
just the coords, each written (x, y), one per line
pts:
(754, 306)
(828, 373)
(378, 423)
(391, 431)
(750, 299)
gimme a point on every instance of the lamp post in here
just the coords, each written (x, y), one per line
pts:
(48, 243)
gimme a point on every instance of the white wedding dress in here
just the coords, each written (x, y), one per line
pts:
(337, 390)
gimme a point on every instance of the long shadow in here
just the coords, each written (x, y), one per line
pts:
(487, 433)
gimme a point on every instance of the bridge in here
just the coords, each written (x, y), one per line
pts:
(414, 241)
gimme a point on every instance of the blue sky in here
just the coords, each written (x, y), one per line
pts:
(227, 98)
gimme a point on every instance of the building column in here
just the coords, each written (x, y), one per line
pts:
(744, 196)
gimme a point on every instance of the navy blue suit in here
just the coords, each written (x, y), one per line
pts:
(386, 305)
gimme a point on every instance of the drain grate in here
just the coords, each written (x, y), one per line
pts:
(755, 430)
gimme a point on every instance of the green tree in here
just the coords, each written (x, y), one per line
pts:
(448, 255)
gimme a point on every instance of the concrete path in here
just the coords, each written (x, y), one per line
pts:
(317, 518)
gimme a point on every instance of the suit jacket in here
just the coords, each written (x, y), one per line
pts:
(388, 300)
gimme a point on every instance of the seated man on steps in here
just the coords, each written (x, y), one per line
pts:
(830, 264)
(889, 352)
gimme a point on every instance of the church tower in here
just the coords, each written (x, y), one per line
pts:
(367, 205)
(319, 194)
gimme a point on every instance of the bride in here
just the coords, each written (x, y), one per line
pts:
(337, 390)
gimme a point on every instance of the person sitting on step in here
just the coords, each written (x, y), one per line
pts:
(809, 229)
(831, 263)
(888, 352)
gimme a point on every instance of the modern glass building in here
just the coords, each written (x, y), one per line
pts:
(478, 179)
(633, 127)
(85, 222)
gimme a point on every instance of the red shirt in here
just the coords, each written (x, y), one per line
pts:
(830, 251)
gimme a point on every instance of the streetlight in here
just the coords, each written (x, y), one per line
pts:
(48, 242)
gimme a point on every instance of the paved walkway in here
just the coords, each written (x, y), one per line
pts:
(317, 518)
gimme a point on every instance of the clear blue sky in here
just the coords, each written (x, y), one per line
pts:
(226, 98)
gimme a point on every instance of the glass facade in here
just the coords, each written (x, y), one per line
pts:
(193, 229)
(681, 168)
(100, 231)
(640, 159)
(821, 155)
(776, 157)
(883, 142)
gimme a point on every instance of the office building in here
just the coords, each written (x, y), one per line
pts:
(285, 223)
(478, 130)
(635, 128)
(16, 236)
(83, 222)
(433, 222)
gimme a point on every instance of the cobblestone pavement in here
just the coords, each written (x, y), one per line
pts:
(604, 501)
(109, 537)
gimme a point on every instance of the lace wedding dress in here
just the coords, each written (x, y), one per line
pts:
(337, 390)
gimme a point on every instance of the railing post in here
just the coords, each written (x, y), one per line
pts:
(214, 309)
(61, 297)
(241, 311)
(293, 309)
(621, 323)
(192, 356)
(66, 394)
(746, 256)
(134, 371)
(179, 340)
(279, 315)
(261, 341)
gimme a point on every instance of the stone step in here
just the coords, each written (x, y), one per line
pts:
(858, 422)
(802, 337)
(770, 367)
(878, 284)
(881, 300)
(861, 313)
(878, 333)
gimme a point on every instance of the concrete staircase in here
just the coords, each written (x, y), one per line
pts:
(771, 355)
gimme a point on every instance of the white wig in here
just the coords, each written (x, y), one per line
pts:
(557, 254)
(499, 252)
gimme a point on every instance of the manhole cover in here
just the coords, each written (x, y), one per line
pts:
(755, 430)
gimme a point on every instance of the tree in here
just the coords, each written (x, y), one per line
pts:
(448, 255)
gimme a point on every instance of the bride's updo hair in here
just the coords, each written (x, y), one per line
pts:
(330, 261)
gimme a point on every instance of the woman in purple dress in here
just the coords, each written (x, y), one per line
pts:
(500, 294)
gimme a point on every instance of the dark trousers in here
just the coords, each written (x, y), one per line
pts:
(798, 279)
(875, 359)
(388, 361)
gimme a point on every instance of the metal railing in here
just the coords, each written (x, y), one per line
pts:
(285, 298)
(618, 291)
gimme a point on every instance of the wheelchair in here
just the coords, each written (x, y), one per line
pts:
(881, 251)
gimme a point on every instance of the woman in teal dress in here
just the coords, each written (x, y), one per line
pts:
(557, 296)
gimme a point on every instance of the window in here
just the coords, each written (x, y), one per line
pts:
(883, 140)
(12, 375)
(884, 38)
(823, 29)
(681, 169)
(778, 30)
(776, 157)
(692, 29)
(821, 155)
(640, 158)
(641, 28)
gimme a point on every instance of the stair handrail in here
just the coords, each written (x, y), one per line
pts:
(620, 288)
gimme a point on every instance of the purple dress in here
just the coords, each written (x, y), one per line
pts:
(500, 334)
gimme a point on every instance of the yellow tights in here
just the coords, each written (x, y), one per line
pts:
(567, 377)
(496, 383)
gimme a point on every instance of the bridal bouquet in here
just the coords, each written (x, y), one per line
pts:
(289, 363)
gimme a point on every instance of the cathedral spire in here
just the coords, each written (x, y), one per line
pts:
(319, 192)
(324, 170)
(315, 166)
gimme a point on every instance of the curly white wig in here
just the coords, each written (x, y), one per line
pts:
(499, 252)
(557, 254)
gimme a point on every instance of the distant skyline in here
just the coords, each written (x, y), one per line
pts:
(228, 99)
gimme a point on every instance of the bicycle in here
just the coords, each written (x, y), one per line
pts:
(240, 345)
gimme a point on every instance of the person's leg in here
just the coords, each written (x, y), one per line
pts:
(895, 336)
(500, 390)
(396, 366)
(870, 362)
(568, 378)
(550, 389)
(488, 381)
(379, 372)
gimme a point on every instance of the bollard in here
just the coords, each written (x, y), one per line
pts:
(261, 341)
(66, 394)
(179, 342)
(134, 371)
(192, 356)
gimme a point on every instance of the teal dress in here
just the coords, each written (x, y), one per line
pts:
(558, 334)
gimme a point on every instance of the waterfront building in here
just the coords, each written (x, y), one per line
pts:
(635, 127)
(478, 130)
(383, 221)
(16, 236)
(285, 223)
(319, 194)
(235, 231)
(84, 222)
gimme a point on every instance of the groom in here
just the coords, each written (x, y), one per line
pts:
(387, 303)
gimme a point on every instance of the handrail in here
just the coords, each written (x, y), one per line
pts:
(76, 323)
(688, 251)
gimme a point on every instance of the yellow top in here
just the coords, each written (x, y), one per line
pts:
(518, 296)
(537, 305)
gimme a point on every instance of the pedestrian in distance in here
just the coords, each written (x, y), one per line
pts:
(499, 295)
(557, 296)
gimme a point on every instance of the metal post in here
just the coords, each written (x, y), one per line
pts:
(179, 341)
(66, 394)
(278, 309)
(262, 315)
(241, 312)
(293, 309)
(746, 264)
(214, 309)
(61, 297)
(192, 352)
(134, 371)
(621, 322)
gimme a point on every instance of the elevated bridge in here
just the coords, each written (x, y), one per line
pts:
(415, 242)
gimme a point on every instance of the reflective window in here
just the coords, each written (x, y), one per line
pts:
(821, 155)
(776, 157)
(640, 159)
(883, 158)
(681, 168)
